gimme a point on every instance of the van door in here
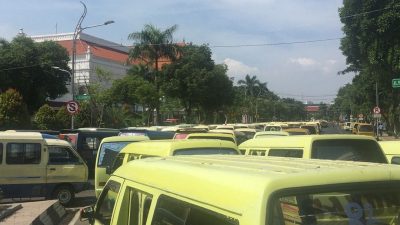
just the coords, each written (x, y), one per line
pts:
(65, 166)
(23, 174)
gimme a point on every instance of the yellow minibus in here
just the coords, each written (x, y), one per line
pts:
(245, 190)
(106, 154)
(33, 166)
(174, 147)
(333, 146)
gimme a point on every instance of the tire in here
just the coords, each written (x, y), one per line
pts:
(64, 194)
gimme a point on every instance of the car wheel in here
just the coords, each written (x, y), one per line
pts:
(64, 194)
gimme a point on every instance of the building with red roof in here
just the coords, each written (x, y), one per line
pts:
(92, 53)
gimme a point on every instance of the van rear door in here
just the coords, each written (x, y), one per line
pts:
(23, 174)
(348, 149)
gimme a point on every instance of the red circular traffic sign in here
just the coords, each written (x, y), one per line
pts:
(72, 107)
(377, 110)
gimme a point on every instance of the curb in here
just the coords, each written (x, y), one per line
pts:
(51, 215)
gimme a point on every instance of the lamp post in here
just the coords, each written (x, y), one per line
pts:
(70, 75)
(78, 30)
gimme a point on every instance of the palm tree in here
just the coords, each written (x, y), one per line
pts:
(151, 46)
(251, 84)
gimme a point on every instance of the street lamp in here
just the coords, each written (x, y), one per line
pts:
(70, 75)
(78, 30)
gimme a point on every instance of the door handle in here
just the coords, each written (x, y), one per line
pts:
(53, 169)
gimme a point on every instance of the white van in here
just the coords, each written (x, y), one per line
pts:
(32, 166)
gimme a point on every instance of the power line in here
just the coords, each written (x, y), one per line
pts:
(275, 44)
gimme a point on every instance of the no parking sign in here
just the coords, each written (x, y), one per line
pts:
(72, 107)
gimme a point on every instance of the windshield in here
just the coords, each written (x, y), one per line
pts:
(206, 151)
(349, 150)
(108, 152)
(353, 207)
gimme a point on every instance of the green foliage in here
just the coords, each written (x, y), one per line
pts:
(372, 49)
(63, 119)
(197, 82)
(45, 118)
(13, 111)
(27, 68)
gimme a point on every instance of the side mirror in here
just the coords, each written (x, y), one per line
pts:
(87, 213)
(108, 170)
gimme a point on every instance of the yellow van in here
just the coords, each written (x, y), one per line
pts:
(391, 150)
(209, 135)
(106, 154)
(33, 166)
(334, 147)
(147, 149)
(365, 129)
(243, 190)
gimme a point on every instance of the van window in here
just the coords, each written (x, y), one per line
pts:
(59, 155)
(108, 152)
(1, 153)
(206, 151)
(119, 159)
(91, 143)
(350, 150)
(258, 152)
(293, 153)
(106, 202)
(366, 128)
(340, 207)
(136, 206)
(395, 160)
(175, 212)
(23, 153)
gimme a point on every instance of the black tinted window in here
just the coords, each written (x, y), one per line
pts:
(175, 212)
(61, 155)
(293, 153)
(349, 150)
(213, 137)
(23, 153)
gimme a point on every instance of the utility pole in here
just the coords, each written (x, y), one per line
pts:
(377, 105)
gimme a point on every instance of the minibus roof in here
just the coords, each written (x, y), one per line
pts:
(166, 147)
(298, 141)
(125, 138)
(20, 135)
(237, 183)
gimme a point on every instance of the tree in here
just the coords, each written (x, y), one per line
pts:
(372, 48)
(45, 118)
(26, 67)
(250, 84)
(197, 82)
(13, 111)
(153, 47)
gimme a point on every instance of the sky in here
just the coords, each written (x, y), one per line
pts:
(243, 34)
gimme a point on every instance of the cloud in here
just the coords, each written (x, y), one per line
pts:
(238, 69)
(304, 61)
